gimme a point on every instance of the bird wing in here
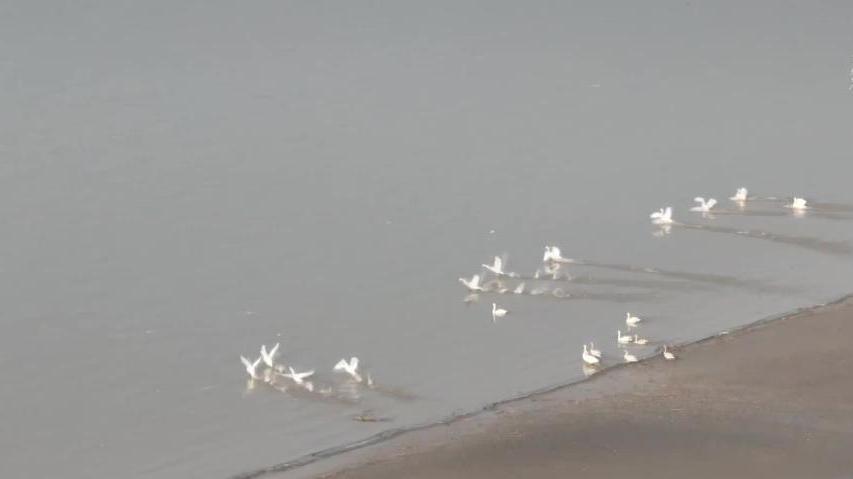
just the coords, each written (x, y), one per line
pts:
(498, 263)
(712, 202)
(668, 211)
(305, 374)
(264, 354)
(475, 280)
(342, 365)
(353, 363)
(555, 251)
(246, 362)
(257, 361)
(274, 350)
(699, 199)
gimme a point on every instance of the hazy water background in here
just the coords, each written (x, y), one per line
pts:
(181, 183)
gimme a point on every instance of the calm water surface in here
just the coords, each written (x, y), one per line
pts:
(182, 183)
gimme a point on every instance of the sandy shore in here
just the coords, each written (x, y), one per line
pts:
(776, 399)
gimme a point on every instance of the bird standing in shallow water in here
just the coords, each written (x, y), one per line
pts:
(667, 355)
(593, 351)
(630, 358)
(589, 358)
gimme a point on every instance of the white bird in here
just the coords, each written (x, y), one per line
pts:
(497, 312)
(473, 284)
(497, 267)
(552, 254)
(798, 204)
(640, 341)
(519, 289)
(667, 355)
(593, 351)
(740, 195)
(632, 320)
(350, 367)
(662, 217)
(704, 206)
(630, 358)
(589, 358)
(298, 378)
(251, 368)
(623, 339)
(269, 357)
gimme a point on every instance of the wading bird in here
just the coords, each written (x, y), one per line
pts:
(589, 358)
(593, 351)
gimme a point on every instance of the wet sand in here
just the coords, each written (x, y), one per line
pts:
(774, 398)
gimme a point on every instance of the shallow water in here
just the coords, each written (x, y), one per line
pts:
(181, 184)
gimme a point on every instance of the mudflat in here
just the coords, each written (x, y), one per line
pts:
(774, 398)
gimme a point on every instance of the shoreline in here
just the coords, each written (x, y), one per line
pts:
(343, 460)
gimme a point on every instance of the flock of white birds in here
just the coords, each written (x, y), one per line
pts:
(553, 259)
(591, 356)
(276, 371)
(664, 215)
